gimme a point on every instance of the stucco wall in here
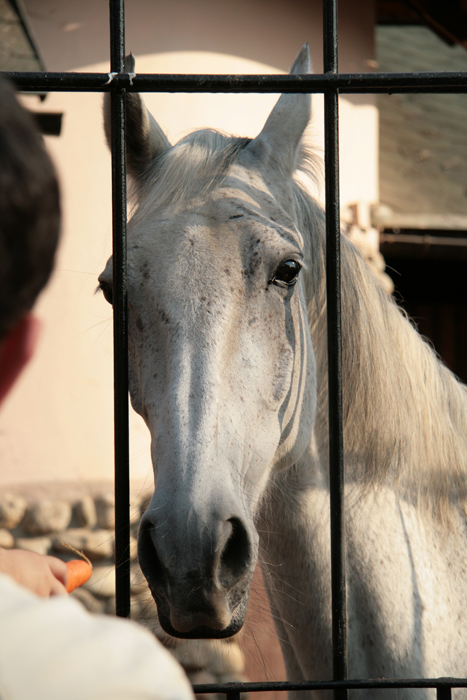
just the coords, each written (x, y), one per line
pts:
(57, 426)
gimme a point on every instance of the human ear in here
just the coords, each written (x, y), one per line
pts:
(16, 350)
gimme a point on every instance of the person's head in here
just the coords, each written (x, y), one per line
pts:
(29, 230)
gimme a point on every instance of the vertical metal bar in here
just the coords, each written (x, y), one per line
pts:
(330, 36)
(333, 287)
(443, 693)
(117, 35)
(233, 695)
(119, 216)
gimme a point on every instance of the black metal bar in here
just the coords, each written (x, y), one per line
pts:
(453, 82)
(441, 684)
(233, 694)
(117, 35)
(119, 212)
(336, 448)
(333, 301)
(443, 693)
(330, 53)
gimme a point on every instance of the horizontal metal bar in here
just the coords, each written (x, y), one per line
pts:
(351, 684)
(451, 82)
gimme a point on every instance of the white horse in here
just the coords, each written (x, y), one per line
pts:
(227, 314)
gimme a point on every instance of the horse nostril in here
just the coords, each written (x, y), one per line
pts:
(149, 560)
(236, 555)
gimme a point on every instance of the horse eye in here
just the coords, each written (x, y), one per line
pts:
(287, 273)
(106, 290)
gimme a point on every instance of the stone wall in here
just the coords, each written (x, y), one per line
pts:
(86, 522)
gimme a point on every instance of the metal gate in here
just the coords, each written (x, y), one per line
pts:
(331, 83)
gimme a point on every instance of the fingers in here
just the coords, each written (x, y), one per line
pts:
(56, 587)
(43, 575)
(59, 570)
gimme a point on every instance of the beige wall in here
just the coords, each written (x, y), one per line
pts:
(72, 34)
(58, 424)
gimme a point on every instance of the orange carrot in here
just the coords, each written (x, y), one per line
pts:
(79, 572)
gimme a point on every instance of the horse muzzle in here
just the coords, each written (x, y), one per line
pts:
(200, 580)
(207, 624)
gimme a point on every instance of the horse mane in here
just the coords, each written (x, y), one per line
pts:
(405, 412)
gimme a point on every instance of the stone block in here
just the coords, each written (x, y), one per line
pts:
(105, 510)
(84, 511)
(203, 677)
(7, 541)
(95, 544)
(102, 581)
(195, 655)
(135, 509)
(144, 611)
(137, 580)
(47, 516)
(133, 548)
(227, 659)
(12, 510)
(145, 501)
(89, 601)
(39, 545)
(110, 607)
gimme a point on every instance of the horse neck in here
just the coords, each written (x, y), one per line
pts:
(405, 413)
(295, 560)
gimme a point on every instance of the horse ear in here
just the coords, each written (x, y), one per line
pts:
(144, 138)
(279, 141)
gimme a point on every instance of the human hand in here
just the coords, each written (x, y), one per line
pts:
(43, 575)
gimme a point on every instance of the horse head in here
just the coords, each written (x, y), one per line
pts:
(221, 363)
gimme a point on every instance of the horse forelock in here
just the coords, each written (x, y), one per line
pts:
(190, 170)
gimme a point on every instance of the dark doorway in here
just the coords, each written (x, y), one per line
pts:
(434, 294)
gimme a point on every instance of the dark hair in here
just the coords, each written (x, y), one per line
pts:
(29, 211)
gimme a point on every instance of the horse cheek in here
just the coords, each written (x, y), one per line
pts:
(134, 377)
(297, 414)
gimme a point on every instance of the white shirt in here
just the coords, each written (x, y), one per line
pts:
(53, 649)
